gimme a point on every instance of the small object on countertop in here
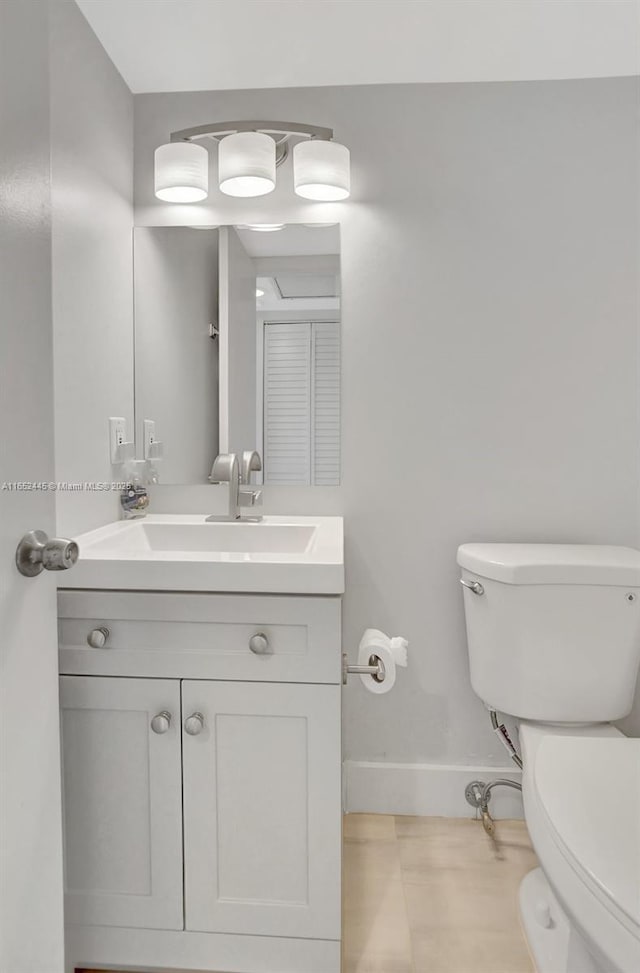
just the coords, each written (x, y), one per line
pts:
(134, 498)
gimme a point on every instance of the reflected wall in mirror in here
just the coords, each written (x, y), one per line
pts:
(237, 346)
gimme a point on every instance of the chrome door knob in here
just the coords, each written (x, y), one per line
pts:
(36, 553)
(97, 637)
(194, 724)
(259, 643)
(161, 722)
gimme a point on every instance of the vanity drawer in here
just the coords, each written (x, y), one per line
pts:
(201, 636)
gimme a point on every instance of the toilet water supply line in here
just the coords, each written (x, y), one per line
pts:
(503, 735)
(478, 793)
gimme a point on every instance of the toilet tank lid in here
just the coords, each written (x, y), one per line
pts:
(553, 563)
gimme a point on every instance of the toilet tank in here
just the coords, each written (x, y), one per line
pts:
(553, 631)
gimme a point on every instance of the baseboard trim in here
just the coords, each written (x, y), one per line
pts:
(425, 789)
(113, 948)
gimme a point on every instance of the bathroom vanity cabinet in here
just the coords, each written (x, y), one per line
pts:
(202, 781)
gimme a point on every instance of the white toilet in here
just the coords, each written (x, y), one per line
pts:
(554, 640)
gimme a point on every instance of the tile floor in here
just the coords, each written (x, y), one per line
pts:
(432, 895)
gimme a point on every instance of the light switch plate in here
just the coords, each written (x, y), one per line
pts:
(149, 427)
(117, 437)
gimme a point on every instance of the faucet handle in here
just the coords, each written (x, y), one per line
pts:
(249, 463)
(249, 498)
(224, 469)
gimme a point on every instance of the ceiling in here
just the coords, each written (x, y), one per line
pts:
(295, 238)
(297, 292)
(191, 45)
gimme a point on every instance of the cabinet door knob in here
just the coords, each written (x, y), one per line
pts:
(194, 724)
(97, 637)
(259, 643)
(161, 722)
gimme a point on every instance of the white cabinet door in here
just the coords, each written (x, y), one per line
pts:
(262, 809)
(122, 802)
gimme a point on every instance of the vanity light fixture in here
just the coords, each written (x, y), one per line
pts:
(247, 164)
(321, 170)
(181, 172)
(248, 155)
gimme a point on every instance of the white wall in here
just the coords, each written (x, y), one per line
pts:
(91, 171)
(176, 299)
(237, 343)
(31, 920)
(489, 324)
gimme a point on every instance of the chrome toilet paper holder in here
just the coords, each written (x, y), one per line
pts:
(375, 669)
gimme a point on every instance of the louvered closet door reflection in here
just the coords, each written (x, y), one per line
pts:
(325, 404)
(302, 403)
(287, 403)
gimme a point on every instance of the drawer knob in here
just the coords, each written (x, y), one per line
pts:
(194, 724)
(259, 643)
(161, 722)
(97, 637)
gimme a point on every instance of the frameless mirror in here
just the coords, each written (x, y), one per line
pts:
(237, 347)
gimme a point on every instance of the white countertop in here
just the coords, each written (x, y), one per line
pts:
(181, 552)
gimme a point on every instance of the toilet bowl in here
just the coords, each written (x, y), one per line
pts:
(581, 789)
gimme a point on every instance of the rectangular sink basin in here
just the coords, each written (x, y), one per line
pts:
(296, 555)
(236, 538)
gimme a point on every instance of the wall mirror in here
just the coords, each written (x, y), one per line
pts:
(237, 346)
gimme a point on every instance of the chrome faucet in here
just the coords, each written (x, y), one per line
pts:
(226, 469)
(250, 463)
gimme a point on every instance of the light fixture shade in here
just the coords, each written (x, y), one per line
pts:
(321, 170)
(247, 164)
(181, 172)
(262, 227)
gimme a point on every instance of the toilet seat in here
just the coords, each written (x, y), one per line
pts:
(582, 803)
(590, 792)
